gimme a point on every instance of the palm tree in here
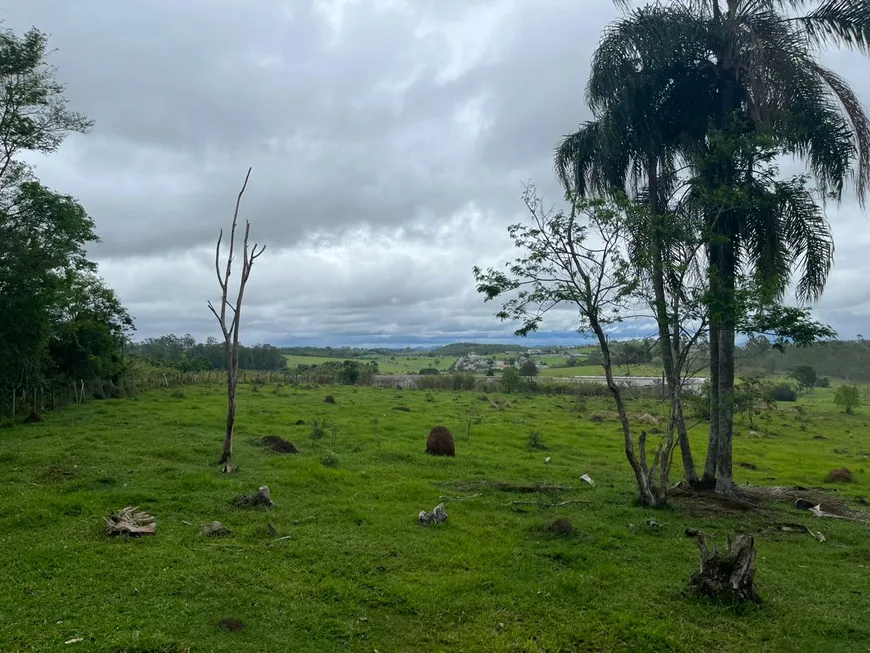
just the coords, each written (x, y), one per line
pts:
(634, 149)
(759, 64)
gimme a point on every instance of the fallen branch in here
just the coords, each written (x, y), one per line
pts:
(446, 498)
(819, 512)
(130, 521)
(546, 505)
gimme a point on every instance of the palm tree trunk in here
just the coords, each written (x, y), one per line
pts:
(711, 462)
(663, 319)
(724, 474)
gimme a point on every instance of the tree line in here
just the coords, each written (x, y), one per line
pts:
(184, 353)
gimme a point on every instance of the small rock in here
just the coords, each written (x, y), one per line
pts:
(214, 529)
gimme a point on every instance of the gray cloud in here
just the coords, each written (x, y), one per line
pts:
(388, 140)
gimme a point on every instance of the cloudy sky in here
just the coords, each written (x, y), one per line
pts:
(389, 142)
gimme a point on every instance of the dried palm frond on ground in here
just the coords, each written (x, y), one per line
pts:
(130, 521)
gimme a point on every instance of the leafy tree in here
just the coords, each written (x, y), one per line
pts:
(848, 397)
(57, 318)
(510, 379)
(528, 368)
(805, 376)
(576, 259)
(753, 395)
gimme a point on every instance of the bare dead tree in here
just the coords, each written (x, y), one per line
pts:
(230, 323)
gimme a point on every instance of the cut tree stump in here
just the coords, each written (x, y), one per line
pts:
(262, 498)
(728, 577)
(130, 521)
(437, 516)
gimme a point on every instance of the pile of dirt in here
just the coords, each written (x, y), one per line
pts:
(561, 526)
(841, 475)
(440, 442)
(329, 399)
(279, 445)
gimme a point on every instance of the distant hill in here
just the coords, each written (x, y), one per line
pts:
(463, 348)
(840, 359)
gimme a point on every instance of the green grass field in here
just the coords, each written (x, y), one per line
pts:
(386, 364)
(598, 370)
(358, 573)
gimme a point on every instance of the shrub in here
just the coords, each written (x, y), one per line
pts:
(529, 369)
(536, 440)
(510, 379)
(329, 459)
(848, 397)
(783, 392)
(824, 382)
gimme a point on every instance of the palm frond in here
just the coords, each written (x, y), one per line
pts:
(840, 22)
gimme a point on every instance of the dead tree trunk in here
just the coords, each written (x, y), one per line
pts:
(230, 324)
(727, 576)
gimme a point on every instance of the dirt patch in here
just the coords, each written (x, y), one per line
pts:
(57, 475)
(841, 475)
(561, 526)
(440, 442)
(279, 445)
(232, 625)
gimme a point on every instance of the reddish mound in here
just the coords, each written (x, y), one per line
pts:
(841, 475)
(329, 399)
(440, 442)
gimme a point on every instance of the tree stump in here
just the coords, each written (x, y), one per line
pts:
(262, 498)
(437, 516)
(727, 576)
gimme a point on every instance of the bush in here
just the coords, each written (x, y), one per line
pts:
(783, 392)
(528, 369)
(824, 382)
(329, 459)
(848, 397)
(510, 379)
(536, 441)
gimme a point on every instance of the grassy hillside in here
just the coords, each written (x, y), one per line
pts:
(357, 572)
